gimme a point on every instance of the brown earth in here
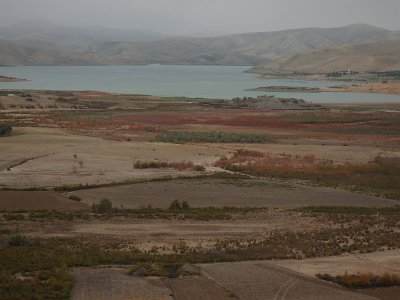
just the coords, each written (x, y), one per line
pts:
(37, 200)
(116, 284)
(387, 293)
(238, 280)
(376, 262)
(68, 159)
(219, 193)
(262, 280)
(196, 288)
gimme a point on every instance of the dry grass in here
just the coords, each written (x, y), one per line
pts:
(380, 176)
(366, 280)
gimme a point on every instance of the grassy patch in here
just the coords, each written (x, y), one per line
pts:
(329, 117)
(178, 137)
(180, 210)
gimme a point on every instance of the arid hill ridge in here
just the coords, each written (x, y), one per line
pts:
(46, 45)
(381, 55)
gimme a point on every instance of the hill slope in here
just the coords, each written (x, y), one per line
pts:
(237, 49)
(373, 56)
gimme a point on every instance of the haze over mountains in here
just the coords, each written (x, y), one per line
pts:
(38, 43)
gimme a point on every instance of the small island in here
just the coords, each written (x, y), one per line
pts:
(285, 89)
(10, 79)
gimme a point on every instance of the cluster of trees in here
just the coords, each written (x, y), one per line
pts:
(5, 129)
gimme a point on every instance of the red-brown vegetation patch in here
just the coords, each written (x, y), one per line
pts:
(380, 176)
(227, 118)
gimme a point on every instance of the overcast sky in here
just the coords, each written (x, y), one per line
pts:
(205, 16)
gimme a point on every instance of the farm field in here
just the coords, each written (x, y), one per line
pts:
(145, 197)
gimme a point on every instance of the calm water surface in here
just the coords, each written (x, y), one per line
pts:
(219, 82)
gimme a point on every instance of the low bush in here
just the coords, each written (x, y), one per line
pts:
(75, 198)
(104, 206)
(180, 166)
(18, 240)
(5, 129)
(14, 217)
(366, 280)
(51, 215)
(199, 168)
(176, 205)
(168, 270)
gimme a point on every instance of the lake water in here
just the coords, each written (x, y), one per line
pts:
(219, 82)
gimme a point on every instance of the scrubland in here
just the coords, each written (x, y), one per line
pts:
(96, 186)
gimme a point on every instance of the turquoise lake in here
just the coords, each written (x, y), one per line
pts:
(218, 82)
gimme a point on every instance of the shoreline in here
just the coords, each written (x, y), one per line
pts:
(389, 88)
(11, 79)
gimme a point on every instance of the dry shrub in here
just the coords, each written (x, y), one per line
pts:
(180, 166)
(363, 280)
(380, 176)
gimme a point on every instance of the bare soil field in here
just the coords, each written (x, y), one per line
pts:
(37, 200)
(114, 283)
(69, 159)
(219, 193)
(244, 280)
(262, 280)
(196, 288)
(378, 262)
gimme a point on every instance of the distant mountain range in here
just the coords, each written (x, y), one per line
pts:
(38, 43)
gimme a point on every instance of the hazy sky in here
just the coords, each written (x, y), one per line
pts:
(205, 16)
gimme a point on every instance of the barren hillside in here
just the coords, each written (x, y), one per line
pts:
(363, 57)
(61, 45)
